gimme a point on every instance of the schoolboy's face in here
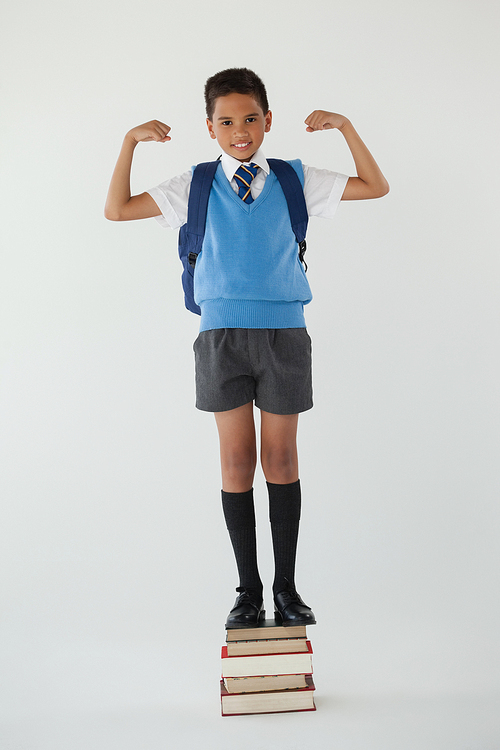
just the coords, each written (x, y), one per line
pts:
(239, 125)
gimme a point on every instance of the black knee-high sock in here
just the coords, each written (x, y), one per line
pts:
(239, 513)
(284, 514)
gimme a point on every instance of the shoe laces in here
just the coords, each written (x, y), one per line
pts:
(246, 595)
(289, 594)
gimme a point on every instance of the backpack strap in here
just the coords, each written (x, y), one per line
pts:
(199, 193)
(294, 194)
(192, 232)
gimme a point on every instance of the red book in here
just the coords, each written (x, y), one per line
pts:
(267, 646)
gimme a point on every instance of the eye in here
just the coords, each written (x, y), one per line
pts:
(251, 119)
(226, 122)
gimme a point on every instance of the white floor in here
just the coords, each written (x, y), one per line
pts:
(346, 723)
(85, 669)
(80, 694)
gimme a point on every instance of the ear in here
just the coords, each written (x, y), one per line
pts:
(268, 118)
(211, 129)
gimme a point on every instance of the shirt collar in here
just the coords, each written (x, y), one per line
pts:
(230, 164)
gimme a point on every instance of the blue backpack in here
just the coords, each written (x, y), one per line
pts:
(191, 234)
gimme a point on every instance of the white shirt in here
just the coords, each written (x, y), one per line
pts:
(322, 190)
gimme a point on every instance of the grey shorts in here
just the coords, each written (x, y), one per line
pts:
(269, 366)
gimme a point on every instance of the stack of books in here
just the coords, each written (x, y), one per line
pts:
(267, 669)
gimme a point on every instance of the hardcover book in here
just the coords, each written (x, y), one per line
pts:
(267, 664)
(266, 629)
(270, 646)
(268, 702)
(262, 683)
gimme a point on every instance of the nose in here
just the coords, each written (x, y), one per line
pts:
(240, 129)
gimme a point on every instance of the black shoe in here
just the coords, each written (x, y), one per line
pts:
(247, 611)
(291, 610)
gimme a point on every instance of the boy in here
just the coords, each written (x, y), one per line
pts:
(251, 288)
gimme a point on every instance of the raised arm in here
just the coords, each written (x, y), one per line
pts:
(120, 205)
(369, 182)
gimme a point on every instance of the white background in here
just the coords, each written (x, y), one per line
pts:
(117, 572)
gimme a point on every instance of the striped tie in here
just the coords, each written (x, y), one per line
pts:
(244, 176)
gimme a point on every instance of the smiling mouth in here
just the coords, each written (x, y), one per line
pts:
(242, 146)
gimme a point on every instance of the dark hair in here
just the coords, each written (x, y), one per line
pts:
(235, 81)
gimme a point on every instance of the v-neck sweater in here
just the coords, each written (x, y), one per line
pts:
(248, 273)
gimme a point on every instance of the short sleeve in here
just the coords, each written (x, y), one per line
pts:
(323, 191)
(172, 197)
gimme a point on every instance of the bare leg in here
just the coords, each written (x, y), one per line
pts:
(238, 452)
(279, 447)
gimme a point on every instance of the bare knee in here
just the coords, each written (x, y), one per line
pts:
(238, 469)
(280, 465)
(238, 450)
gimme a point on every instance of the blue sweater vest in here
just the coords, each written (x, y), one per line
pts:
(248, 273)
